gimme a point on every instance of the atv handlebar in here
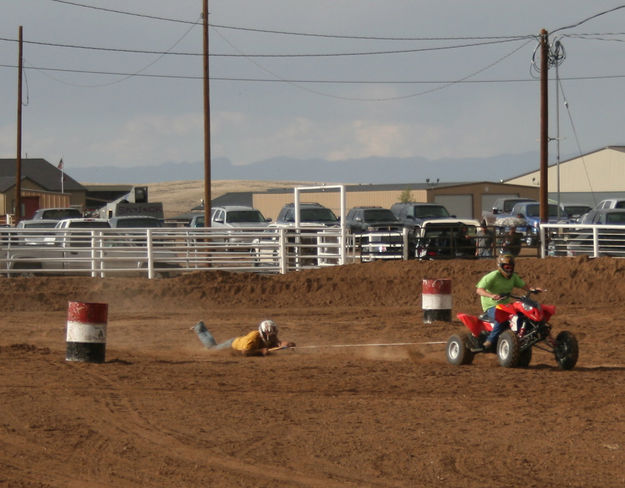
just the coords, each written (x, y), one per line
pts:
(531, 291)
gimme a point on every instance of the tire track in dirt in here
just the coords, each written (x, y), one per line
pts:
(186, 449)
(27, 429)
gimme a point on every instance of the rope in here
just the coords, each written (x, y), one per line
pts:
(370, 345)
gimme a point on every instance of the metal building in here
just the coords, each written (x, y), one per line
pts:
(464, 200)
(586, 179)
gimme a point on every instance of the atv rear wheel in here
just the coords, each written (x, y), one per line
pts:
(508, 350)
(459, 349)
(566, 350)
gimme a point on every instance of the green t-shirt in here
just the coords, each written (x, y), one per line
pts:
(498, 284)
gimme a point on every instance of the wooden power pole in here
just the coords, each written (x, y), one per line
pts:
(544, 126)
(207, 120)
(18, 159)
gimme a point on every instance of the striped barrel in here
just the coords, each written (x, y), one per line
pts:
(86, 332)
(436, 300)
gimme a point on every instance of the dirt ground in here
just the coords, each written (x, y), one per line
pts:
(339, 410)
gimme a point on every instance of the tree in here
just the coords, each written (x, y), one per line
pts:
(406, 196)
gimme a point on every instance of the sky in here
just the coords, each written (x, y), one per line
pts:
(119, 82)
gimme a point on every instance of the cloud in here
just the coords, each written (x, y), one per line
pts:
(148, 139)
(7, 141)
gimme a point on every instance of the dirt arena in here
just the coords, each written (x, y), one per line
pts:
(164, 412)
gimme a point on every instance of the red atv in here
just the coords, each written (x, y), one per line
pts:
(527, 326)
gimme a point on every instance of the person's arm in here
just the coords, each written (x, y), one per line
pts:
(532, 288)
(483, 292)
(263, 351)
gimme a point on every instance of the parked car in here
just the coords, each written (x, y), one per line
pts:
(530, 213)
(197, 221)
(312, 216)
(137, 225)
(610, 203)
(135, 221)
(76, 238)
(56, 213)
(81, 245)
(412, 214)
(502, 207)
(610, 241)
(377, 232)
(575, 211)
(604, 216)
(36, 237)
(232, 216)
(446, 239)
(370, 219)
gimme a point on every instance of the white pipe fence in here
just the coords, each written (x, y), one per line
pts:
(582, 240)
(160, 252)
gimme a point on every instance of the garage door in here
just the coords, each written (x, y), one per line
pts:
(459, 205)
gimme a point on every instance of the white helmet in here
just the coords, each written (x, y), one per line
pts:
(267, 329)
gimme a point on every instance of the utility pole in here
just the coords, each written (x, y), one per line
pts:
(18, 159)
(207, 120)
(544, 126)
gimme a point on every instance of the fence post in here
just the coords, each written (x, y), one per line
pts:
(282, 254)
(150, 255)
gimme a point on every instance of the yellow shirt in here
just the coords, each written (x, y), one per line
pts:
(248, 342)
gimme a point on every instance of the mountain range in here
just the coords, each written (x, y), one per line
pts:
(372, 170)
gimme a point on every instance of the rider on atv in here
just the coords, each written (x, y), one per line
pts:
(494, 288)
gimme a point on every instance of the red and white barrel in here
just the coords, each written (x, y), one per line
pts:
(436, 300)
(86, 332)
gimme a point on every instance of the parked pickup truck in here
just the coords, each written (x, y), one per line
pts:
(446, 239)
(84, 245)
(610, 203)
(530, 213)
(502, 208)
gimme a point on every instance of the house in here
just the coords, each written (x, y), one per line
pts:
(41, 187)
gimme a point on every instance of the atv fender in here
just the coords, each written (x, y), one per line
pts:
(548, 311)
(473, 323)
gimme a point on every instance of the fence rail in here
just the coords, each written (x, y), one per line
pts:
(168, 251)
(163, 252)
(582, 240)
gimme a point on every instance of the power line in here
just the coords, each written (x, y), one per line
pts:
(300, 55)
(319, 81)
(291, 33)
(577, 24)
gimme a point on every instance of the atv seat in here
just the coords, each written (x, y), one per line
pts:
(486, 318)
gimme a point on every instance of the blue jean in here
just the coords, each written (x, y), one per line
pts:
(497, 326)
(208, 340)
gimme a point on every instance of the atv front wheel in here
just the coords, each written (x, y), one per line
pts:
(459, 349)
(508, 350)
(566, 350)
(525, 357)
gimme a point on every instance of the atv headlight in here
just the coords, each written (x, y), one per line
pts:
(528, 306)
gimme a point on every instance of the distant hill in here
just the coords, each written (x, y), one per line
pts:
(369, 170)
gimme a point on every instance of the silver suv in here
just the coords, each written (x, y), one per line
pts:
(232, 216)
(309, 213)
(237, 216)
